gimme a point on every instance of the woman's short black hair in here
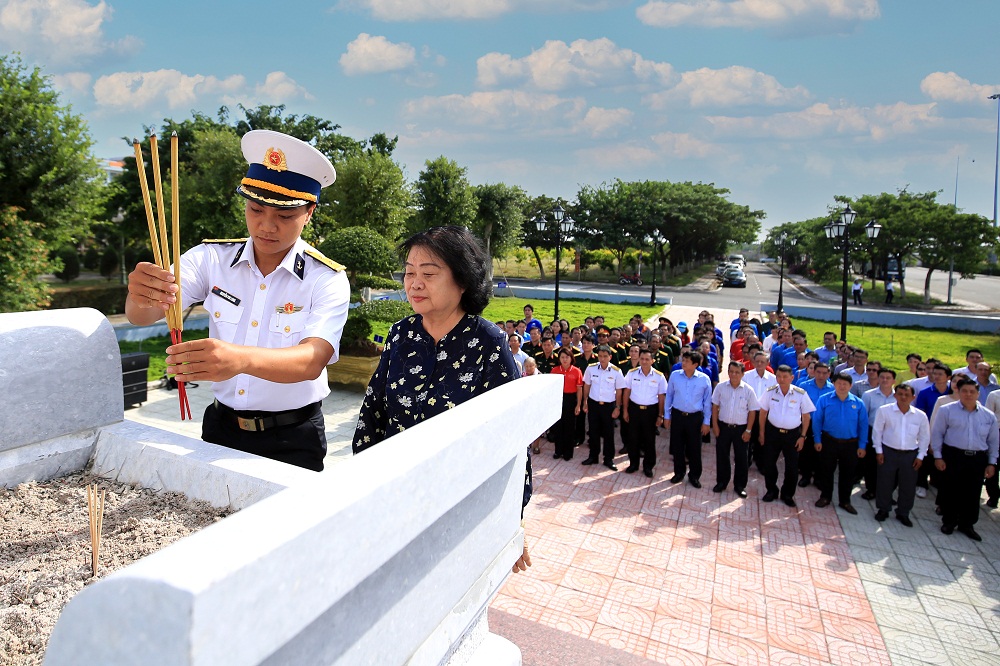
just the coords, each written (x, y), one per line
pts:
(464, 255)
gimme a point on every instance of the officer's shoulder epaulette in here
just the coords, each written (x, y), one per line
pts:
(773, 388)
(657, 372)
(540, 352)
(323, 259)
(798, 389)
(222, 241)
(629, 371)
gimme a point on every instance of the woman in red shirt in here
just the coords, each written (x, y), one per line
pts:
(572, 398)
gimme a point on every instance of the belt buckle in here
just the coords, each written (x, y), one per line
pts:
(247, 424)
(970, 452)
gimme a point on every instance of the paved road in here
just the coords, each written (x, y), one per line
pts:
(983, 289)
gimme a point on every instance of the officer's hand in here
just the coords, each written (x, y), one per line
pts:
(150, 286)
(204, 360)
(939, 464)
(861, 453)
(523, 562)
(625, 416)
(585, 408)
(917, 462)
(716, 430)
(746, 436)
(990, 471)
(704, 430)
(880, 458)
(800, 443)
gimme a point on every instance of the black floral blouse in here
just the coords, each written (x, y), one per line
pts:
(417, 378)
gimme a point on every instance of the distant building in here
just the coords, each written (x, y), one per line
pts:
(112, 167)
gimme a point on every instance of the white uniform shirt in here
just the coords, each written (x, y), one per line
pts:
(520, 357)
(760, 384)
(735, 403)
(785, 410)
(919, 384)
(903, 432)
(603, 383)
(645, 389)
(302, 298)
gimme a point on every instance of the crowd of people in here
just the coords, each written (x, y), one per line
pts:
(826, 411)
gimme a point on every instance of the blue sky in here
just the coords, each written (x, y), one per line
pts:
(785, 102)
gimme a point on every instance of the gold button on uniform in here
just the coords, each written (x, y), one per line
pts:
(216, 313)
(263, 287)
(241, 391)
(254, 323)
(288, 329)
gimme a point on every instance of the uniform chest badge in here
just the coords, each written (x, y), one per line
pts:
(275, 159)
(288, 308)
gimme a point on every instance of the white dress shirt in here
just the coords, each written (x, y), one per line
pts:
(785, 410)
(645, 389)
(735, 403)
(903, 431)
(760, 384)
(603, 383)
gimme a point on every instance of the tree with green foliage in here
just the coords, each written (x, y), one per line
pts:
(23, 260)
(443, 196)
(69, 261)
(109, 264)
(361, 250)
(499, 217)
(950, 236)
(371, 191)
(47, 174)
(603, 220)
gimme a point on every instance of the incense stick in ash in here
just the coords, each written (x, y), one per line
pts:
(95, 509)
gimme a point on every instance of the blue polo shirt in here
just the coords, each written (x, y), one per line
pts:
(815, 391)
(927, 398)
(843, 419)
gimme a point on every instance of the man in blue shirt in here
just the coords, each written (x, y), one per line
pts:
(529, 318)
(840, 430)
(828, 351)
(815, 388)
(687, 412)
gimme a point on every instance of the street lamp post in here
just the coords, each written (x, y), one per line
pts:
(841, 229)
(564, 225)
(996, 162)
(781, 281)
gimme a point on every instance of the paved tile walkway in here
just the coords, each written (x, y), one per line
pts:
(686, 576)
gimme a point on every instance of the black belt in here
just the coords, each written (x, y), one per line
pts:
(785, 431)
(674, 409)
(599, 402)
(838, 440)
(261, 421)
(964, 452)
(642, 406)
(733, 425)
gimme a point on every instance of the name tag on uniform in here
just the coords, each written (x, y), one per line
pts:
(225, 295)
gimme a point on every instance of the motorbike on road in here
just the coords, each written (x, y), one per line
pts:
(635, 279)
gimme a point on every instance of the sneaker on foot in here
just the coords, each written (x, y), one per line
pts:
(921, 492)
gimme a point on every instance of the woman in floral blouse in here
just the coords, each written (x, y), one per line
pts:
(444, 354)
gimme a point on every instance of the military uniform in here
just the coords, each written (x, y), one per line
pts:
(546, 363)
(582, 362)
(784, 426)
(645, 400)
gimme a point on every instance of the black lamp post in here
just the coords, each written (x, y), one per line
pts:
(781, 281)
(564, 225)
(841, 229)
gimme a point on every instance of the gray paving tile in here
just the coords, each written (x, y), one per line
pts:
(928, 568)
(955, 558)
(939, 589)
(920, 647)
(965, 655)
(876, 573)
(888, 616)
(954, 633)
(893, 597)
(954, 611)
(884, 558)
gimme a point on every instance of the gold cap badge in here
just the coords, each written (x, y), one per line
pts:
(275, 159)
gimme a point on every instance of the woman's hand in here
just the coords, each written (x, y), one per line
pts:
(524, 561)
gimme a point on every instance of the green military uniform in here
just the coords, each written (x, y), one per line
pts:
(546, 363)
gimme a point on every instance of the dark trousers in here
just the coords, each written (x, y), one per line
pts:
(807, 459)
(602, 430)
(888, 296)
(857, 298)
(842, 453)
(731, 438)
(896, 470)
(869, 467)
(642, 435)
(301, 444)
(778, 443)
(685, 442)
(961, 485)
(581, 428)
(566, 427)
(993, 487)
(626, 438)
(752, 448)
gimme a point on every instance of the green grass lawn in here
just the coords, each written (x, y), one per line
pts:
(511, 268)
(891, 345)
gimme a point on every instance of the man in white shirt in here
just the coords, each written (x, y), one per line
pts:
(760, 379)
(603, 385)
(734, 411)
(514, 340)
(900, 437)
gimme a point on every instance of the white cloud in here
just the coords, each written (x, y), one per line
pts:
(136, 90)
(628, 155)
(732, 86)
(605, 122)
(684, 146)
(819, 15)
(58, 31)
(279, 87)
(499, 110)
(414, 10)
(583, 63)
(72, 81)
(950, 87)
(820, 120)
(374, 55)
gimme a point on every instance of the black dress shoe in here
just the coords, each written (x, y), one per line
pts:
(556, 456)
(611, 466)
(676, 478)
(992, 502)
(788, 501)
(947, 529)
(804, 482)
(568, 456)
(742, 493)
(938, 510)
(718, 488)
(696, 483)
(881, 515)
(868, 495)
(632, 469)
(769, 497)
(905, 520)
(648, 473)
(822, 502)
(971, 533)
(849, 508)
(589, 461)
(623, 450)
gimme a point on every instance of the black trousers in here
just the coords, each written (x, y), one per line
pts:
(896, 470)
(961, 485)
(869, 467)
(888, 296)
(781, 443)
(566, 427)
(842, 453)
(302, 444)
(752, 449)
(857, 298)
(581, 428)
(731, 438)
(642, 434)
(807, 459)
(602, 430)
(685, 442)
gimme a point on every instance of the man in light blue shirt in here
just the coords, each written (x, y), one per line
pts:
(840, 430)
(815, 388)
(687, 411)
(828, 351)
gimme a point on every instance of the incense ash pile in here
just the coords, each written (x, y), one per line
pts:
(45, 549)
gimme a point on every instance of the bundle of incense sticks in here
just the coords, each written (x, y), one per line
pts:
(95, 509)
(158, 239)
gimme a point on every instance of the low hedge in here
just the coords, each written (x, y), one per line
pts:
(375, 282)
(109, 299)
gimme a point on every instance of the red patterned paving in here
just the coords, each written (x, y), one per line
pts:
(686, 576)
